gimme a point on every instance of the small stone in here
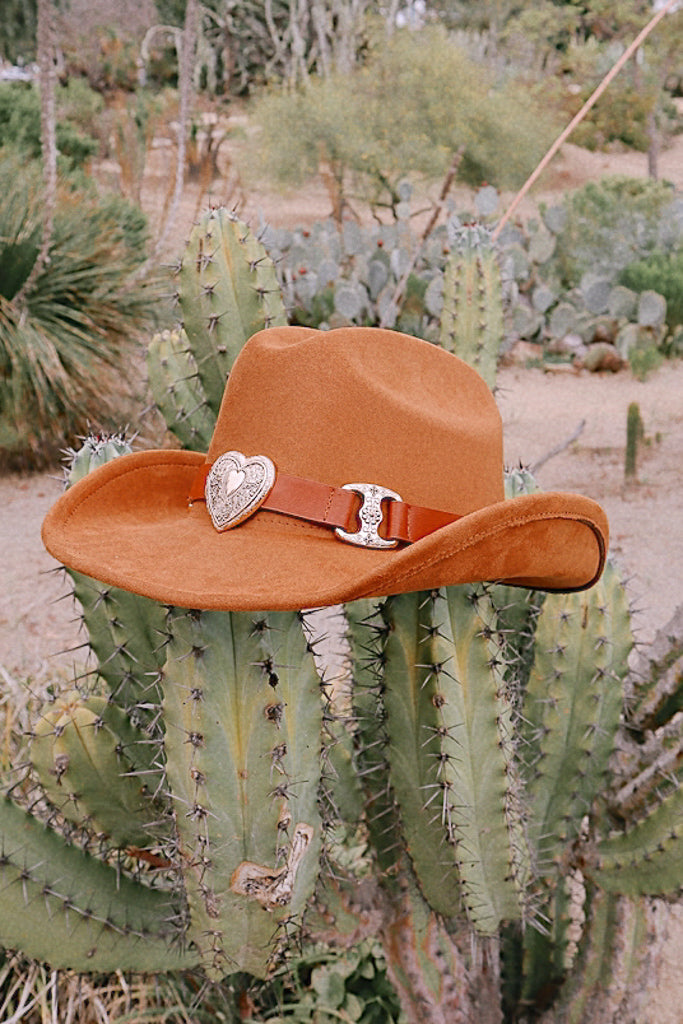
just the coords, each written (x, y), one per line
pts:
(571, 344)
(524, 352)
(602, 356)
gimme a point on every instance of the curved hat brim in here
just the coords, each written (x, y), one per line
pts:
(128, 525)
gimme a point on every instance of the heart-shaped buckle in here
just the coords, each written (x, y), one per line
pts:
(236, 486)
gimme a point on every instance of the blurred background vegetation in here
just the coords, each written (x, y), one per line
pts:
(380, 103)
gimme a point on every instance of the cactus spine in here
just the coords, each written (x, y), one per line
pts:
(85, 754)
(65, 906)
(443, 705)
(177, 390)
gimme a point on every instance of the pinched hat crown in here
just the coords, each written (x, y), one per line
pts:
(356, 435)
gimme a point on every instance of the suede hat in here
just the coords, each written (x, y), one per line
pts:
(350, 463)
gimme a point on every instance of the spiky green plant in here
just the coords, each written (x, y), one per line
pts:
(472, 316)
(62, 344)
(498, 796)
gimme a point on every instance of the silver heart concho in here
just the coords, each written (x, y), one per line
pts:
(236, 486)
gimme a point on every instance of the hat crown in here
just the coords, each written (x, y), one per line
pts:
(362, 404)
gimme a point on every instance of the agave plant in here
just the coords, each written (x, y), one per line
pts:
(63, 344)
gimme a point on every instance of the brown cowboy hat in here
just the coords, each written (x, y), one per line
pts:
(349, 463)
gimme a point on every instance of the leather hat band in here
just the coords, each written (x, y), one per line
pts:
(364, 514)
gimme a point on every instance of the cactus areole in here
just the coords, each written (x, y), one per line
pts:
(349, 463)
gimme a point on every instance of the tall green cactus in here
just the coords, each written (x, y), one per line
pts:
(472, 315)
(243, 718)
(228, 290)
(484, 754)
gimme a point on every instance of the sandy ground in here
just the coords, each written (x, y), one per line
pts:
(540, 411)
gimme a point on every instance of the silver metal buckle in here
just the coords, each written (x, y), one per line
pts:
(236, 487)
(370, 515)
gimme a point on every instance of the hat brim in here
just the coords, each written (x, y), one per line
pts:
(128, 525)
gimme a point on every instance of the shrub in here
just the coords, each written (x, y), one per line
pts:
(20, 127)
(612, 222)
(662, 272)
(65, 347)
(417, 101)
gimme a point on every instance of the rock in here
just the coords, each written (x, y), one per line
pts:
(522, 353)
(602, 356)
(559, 368)
(571, 344)
(651, 309)
(605, 329)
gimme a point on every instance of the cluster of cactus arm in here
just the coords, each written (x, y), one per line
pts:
(185, 795)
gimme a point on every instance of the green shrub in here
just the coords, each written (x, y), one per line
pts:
(20, 127)
(65, 347)
(416, 102)
(662, 272)
(614, 221)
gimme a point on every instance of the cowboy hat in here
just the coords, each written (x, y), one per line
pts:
(348, 463)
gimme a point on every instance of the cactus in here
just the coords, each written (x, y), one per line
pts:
(480, 753)
(177, 391)
(472, 317)
(243, 719)
(66, 906)
(228, 290)
(85, 752)
(634, 436)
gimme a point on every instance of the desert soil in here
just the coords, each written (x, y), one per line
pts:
(540, 411)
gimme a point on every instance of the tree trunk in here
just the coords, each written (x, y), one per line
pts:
(653, 148)
(46, 37)
(440, 977)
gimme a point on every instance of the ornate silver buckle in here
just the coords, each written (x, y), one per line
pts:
(370, 515)
(236, 487)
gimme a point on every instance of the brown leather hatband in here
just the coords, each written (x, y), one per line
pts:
(340, 507)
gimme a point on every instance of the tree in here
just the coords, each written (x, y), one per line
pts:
(18, 31)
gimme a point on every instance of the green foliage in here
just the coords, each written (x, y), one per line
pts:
(611, 221)
(415, 103)
(347, 985)
(18, 30)
(20, 127)
(62, 347)
(662, 272)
